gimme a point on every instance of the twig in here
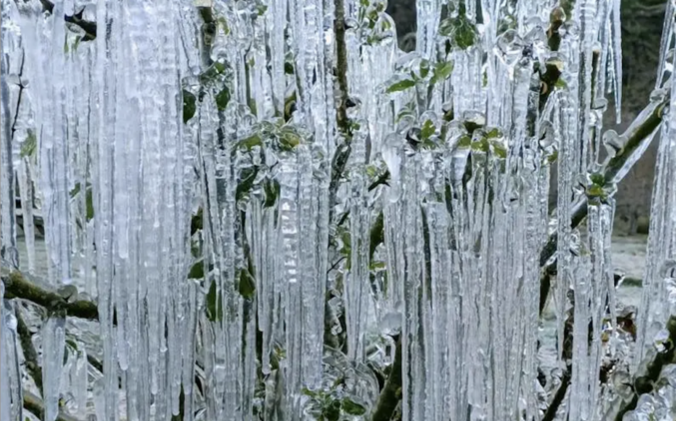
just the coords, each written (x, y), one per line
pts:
(34, 405)
(76, 19)
(17, 286)
(640, 131)
(645, 382)
(29, 353)
(558, 397)
(391, 393)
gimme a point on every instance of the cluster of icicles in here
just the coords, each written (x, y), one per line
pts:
(184, 163)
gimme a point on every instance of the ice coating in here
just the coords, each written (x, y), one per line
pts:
(269, 201)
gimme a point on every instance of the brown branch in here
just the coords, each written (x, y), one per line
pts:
(76, 19)
(35, 406)
(635, 136)
(29, 353)
(17, 286)
(550, 414)
(644, 382)
(391, 393)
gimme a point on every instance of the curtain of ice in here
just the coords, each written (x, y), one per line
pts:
(462, 236)
(655, 308)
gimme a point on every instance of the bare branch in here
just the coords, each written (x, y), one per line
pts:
(18, 286)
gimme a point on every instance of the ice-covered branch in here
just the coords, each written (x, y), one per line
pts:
(29, 353)
(18, 286)
(35, 406)
(342, 153)
(391, 393)
(633, 143)
(76, 19)
(644, 381)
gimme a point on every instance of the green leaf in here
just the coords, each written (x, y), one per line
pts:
(307, 392)
(460, 30)
(189, 106)
(196, 222)
(249, 142)
(247, 286)
(224, 25)
(89, 204)
(74, 191)
(498, 149)
(331, 412)
(197, 270)
(289, 140)
(261, 9)
(494, 133)
(442, 71)
(271, 189)
(223, 98)
(598, 179)
(247, 179)
(424, 68)
(214, 303)
(428, 129)
(401, 86)
(352, 408)
(465, 141)
(30, 145)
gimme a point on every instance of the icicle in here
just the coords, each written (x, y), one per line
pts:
(617, 56)
(53, 337)
(8, 250)
(356, 288)
(5, 342)
(653, 311)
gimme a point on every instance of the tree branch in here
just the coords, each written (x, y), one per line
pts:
(645, 382)
(17, 286)
(391, 393)
(29, 353)
(34, 405)
(76, 19)
(635, 138)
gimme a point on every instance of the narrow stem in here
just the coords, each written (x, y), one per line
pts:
(29, 353)
(391, 393)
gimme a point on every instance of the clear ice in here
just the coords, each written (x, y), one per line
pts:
(272, 205)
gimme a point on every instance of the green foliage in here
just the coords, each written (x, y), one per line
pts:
(189, 106)
(402, 85)
(30, 145)
(214, 303)
(442, 71)
(329, 405)
(223, 98)
(271, 189)
(427, 130)
(89, 199)
(461, 32)
(246, 284)
(197, 270)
